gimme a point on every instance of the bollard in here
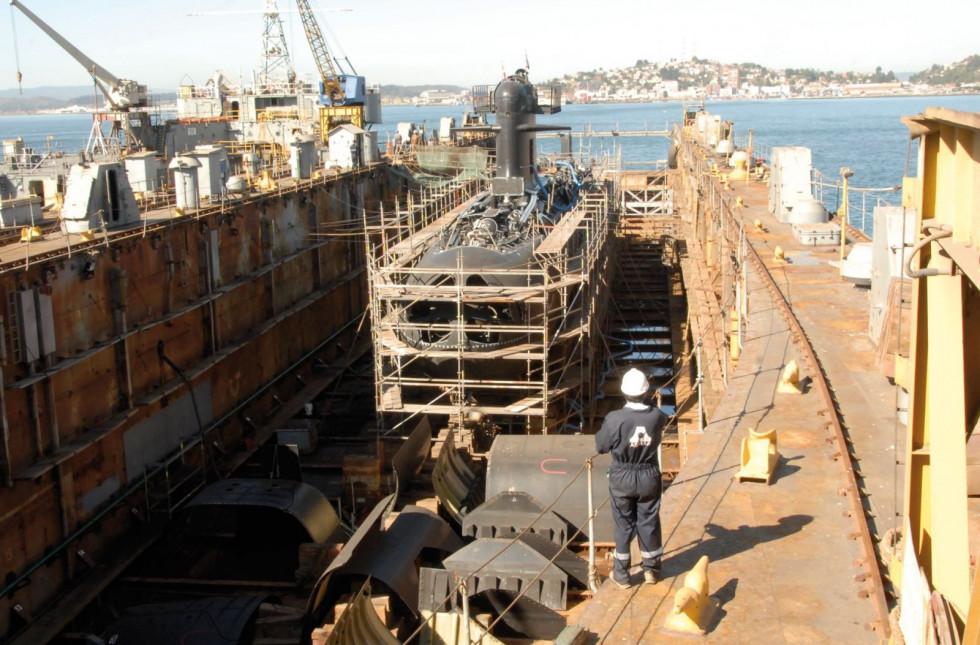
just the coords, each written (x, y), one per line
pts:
(778, 255)
(693, 607)
(789, 381)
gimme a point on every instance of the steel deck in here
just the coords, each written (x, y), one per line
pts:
(786, 563)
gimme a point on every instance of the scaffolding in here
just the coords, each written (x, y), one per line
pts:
(544, 364)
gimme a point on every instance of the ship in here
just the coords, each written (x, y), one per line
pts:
(319, 406)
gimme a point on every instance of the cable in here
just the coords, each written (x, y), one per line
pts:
(13, 29)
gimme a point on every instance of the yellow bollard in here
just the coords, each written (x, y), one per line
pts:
(778, 255)
(740, 202)
(758, 225)
(759, 456)
(740, 160)
(30, 233)
(789, 381)
(693, 607)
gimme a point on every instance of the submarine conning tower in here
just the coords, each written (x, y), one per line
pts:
(516, 102)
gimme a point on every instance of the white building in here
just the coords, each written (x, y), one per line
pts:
(345, 144)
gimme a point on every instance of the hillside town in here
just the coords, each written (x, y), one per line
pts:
(699, 78)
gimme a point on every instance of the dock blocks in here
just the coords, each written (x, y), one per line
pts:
(693, 606)
(759, 456)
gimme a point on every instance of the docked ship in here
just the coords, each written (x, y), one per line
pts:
(318, 404)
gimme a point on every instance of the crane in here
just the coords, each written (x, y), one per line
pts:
(331, 89)
(121, 93)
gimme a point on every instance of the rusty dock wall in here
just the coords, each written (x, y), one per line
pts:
(136, 364)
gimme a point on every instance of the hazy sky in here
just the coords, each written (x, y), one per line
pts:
(463, 42)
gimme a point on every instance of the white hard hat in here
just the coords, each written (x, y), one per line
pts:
(634, 383)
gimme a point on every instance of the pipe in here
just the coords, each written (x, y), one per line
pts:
(593, 584)
(943, 231)
(465, 600)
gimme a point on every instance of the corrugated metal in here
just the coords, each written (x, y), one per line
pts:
(359, 624)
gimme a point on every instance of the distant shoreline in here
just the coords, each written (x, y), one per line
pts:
(716, 99)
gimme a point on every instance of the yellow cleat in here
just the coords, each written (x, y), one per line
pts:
(759, 456)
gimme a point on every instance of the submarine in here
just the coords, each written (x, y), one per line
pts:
(494, 237)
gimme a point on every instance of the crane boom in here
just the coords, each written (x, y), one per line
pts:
(122, 93)
(328, 73)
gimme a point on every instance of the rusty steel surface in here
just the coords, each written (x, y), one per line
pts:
(794, 561)
(239, 322)
(875, 588)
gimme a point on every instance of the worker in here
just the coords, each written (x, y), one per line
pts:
(355, 154)
(632, 434)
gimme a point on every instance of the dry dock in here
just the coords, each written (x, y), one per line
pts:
(789, 562)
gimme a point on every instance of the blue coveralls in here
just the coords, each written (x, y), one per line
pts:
(632, 434)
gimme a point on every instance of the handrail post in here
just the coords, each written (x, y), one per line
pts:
(465, 601)
(700, 400)
(593, 582)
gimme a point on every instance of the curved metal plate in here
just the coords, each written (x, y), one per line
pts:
(211, 621)
(359, 624)
(408, 460)
(388, 555)
(301, 501)
(452, 479)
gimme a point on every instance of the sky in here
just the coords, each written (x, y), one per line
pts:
(464, 43)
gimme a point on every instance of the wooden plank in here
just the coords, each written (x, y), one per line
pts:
(562, 232)
(525, 404)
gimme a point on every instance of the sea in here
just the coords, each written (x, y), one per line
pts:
(863, 134)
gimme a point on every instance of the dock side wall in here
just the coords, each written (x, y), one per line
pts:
(234, 297)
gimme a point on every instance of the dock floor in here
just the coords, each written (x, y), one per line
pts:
(784, 564)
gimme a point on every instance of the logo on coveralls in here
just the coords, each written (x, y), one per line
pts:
(640, 437)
